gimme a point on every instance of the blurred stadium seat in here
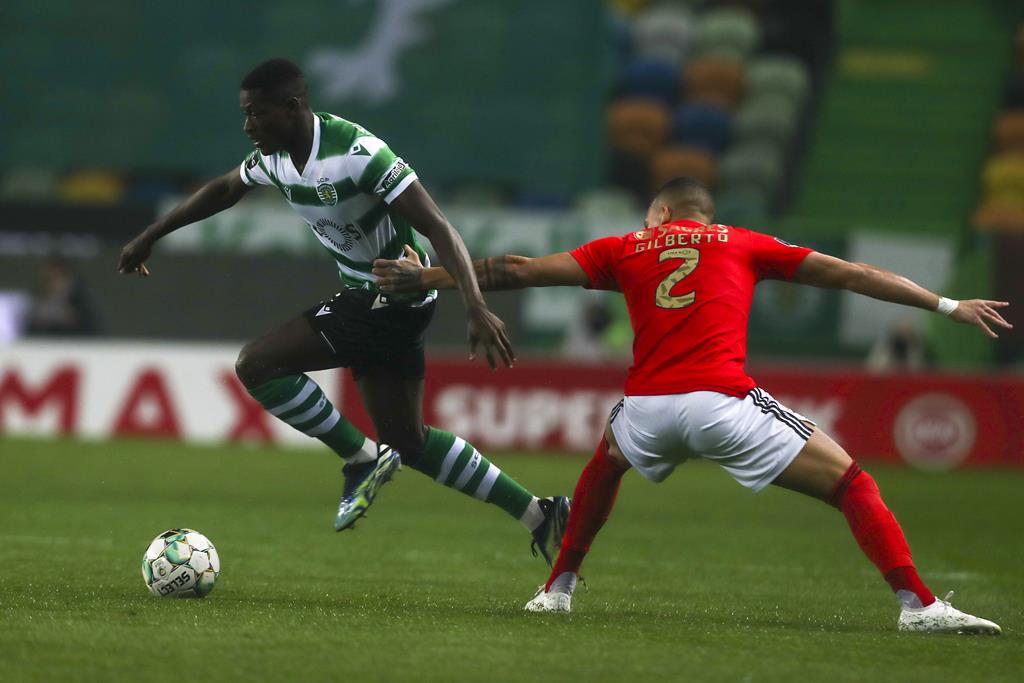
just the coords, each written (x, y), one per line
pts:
(675, 160)
(729, 33)
(638, 126)
(734, 86)
(664, 33)
(1009, 131)
(741, 205)
(1001, 207)
(91, 187)
(999, 218)
(650, 79)
(752, 166)
(29, 184)
(1003, 180)
(768, 117)
(714, 81)
(702, 125)
(780, 75)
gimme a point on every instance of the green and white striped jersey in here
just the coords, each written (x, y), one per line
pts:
(344, 193)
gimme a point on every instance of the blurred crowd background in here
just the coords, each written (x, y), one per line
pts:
(891, 133)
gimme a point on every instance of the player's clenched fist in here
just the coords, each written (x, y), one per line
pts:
(134, 255)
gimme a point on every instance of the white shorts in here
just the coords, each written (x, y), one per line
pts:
(754, 438)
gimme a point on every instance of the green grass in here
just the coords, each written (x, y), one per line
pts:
(695, 579)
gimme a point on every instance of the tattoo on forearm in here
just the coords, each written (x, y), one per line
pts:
(487, 274)
(502, 274)
(496, 272)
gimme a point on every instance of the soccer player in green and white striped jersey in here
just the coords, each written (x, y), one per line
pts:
(362, 202)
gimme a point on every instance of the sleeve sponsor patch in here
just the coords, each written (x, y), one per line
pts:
(392, 177)
(252, 161)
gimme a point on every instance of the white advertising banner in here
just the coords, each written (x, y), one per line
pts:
(102, 390)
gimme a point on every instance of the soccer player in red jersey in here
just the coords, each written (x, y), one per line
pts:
(688, 285)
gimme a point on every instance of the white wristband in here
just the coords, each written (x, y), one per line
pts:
(946, 306)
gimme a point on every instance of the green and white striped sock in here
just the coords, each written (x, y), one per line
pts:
(297, 400)
(455, 463)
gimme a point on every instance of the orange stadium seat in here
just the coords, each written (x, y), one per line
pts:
(714, 81)
(1000, 219)
(1009, 131)
(673, 161)
(638, 126)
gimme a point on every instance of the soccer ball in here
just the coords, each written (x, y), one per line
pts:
(182, 563)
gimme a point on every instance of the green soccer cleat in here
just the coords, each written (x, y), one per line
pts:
(547, 538)
(362, 482)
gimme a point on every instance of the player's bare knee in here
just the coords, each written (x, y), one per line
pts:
(250, 367)
(817, 469)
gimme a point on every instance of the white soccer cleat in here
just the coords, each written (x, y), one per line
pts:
(558, 599)
(942, 617)
(549, 602)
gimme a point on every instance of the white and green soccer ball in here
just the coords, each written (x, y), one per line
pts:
(180, 563)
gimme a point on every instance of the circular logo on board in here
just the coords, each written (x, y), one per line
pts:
(935, 431)
(327, 194)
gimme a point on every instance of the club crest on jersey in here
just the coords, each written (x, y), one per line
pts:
(326, 192)
(287, 192)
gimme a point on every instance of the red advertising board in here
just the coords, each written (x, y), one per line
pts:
(534, 406)
(930, 421)
(189, 392)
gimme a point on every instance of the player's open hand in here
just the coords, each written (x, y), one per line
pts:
(487, 330)
(400, 275)
(981, 313)
(134, 255)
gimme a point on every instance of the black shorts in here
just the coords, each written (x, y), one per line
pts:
(363, 334)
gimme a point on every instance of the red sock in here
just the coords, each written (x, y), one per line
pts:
(877, 532)
(591, 503)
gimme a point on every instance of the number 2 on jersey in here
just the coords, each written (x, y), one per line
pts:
(690, 258)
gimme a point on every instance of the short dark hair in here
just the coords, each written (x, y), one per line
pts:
(279, 77)
(684, 193)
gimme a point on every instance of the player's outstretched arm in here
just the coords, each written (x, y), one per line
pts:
(821, 270)
(415, 205)
(215, 196)
(493, 273)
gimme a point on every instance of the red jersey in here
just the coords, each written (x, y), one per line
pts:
(688, 287)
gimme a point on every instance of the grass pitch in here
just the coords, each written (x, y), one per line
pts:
(695, 579)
